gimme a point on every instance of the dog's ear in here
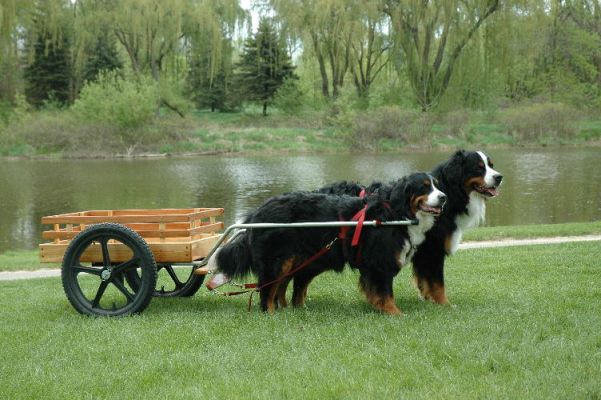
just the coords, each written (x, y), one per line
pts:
(400, 196)
(458, 158)
(453, 168)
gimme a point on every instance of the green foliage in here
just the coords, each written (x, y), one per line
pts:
(264, 65)
(369, 130)
(124, 103)
(534, 122)
(103, 57)
(48, 76)
(290, 98)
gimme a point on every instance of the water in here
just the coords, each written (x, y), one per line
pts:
(540, 186)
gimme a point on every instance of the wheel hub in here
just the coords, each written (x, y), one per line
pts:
(105, 275)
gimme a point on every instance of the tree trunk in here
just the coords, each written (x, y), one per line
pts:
(322, 67)
(264, 108)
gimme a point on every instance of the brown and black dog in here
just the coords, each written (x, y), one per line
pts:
(272, 253)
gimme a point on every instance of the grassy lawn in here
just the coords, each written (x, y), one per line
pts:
(526, 324)
(23, 260)
(533, 231)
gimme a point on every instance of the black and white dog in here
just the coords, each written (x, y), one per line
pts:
(468, 179)
(378, 254)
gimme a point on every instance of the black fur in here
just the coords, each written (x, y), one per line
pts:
(428, 261)
(265, 252)
(450, 177)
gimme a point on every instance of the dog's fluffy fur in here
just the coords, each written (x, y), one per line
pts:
(272, 253)
(468, 179)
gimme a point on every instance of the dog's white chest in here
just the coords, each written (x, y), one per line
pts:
(476, 211)
(405, 254)
(417, 234)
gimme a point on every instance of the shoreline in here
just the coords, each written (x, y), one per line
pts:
(282, 152)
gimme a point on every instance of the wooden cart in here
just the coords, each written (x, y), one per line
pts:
(113, 259)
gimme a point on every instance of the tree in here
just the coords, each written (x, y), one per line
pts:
(325, 27)
(48, 77)
(264, 66)
(369, 44)
(103, 57)
(425, 29)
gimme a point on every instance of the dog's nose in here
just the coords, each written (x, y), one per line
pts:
(498, 179)
(442, 198)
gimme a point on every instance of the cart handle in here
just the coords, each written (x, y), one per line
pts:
(266, 225)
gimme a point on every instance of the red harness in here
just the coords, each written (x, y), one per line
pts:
(360, 218)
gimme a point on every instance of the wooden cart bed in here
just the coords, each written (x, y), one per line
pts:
(179, 235)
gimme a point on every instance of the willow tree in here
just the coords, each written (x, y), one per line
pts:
(370, 44)
(22, 22)
(586, 15)
(156, 33)
(325, 27)
(209, 53)
(432, 35)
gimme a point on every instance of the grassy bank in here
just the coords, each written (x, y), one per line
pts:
(524, 325)
(61, 133)
(25, 260)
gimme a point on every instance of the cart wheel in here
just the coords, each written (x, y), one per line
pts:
(174, 281)
(100, 289)
(177, 281)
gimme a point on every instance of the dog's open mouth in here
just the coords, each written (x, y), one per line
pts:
(430, 210)
(487, 191)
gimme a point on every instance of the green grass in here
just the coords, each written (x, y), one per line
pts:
(532, 231)
(22, 260)
(525, 324)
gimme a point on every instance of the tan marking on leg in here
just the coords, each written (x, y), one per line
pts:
(274, 290)
(423, 287)
(300, 295)
(447, 244)
(438, 294)
(281, 296)
(384, 304)
(388, 306)
(271, 298)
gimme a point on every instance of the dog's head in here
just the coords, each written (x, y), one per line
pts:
(474, 170)
(417, 195)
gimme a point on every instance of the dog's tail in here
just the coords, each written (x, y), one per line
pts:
(234, 259)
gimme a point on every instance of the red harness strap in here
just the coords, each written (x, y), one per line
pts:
(254, 287)
(360, 218)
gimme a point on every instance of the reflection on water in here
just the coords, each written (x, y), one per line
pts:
(540, 186)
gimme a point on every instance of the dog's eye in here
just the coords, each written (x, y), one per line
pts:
(490, 164)
(481, 164)
(427, 182)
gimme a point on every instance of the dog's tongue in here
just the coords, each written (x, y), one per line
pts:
(492, 192)
(434, 210)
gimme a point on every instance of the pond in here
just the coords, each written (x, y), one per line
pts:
(540, 185)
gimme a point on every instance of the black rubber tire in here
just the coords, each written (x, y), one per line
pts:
(142, 260)
(187, 288)
(182, 289)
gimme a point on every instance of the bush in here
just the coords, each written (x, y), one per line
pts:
(534, 122)
(45, 131)
(457, 123)
(367, 129)
(125, 104)
(289, 98)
